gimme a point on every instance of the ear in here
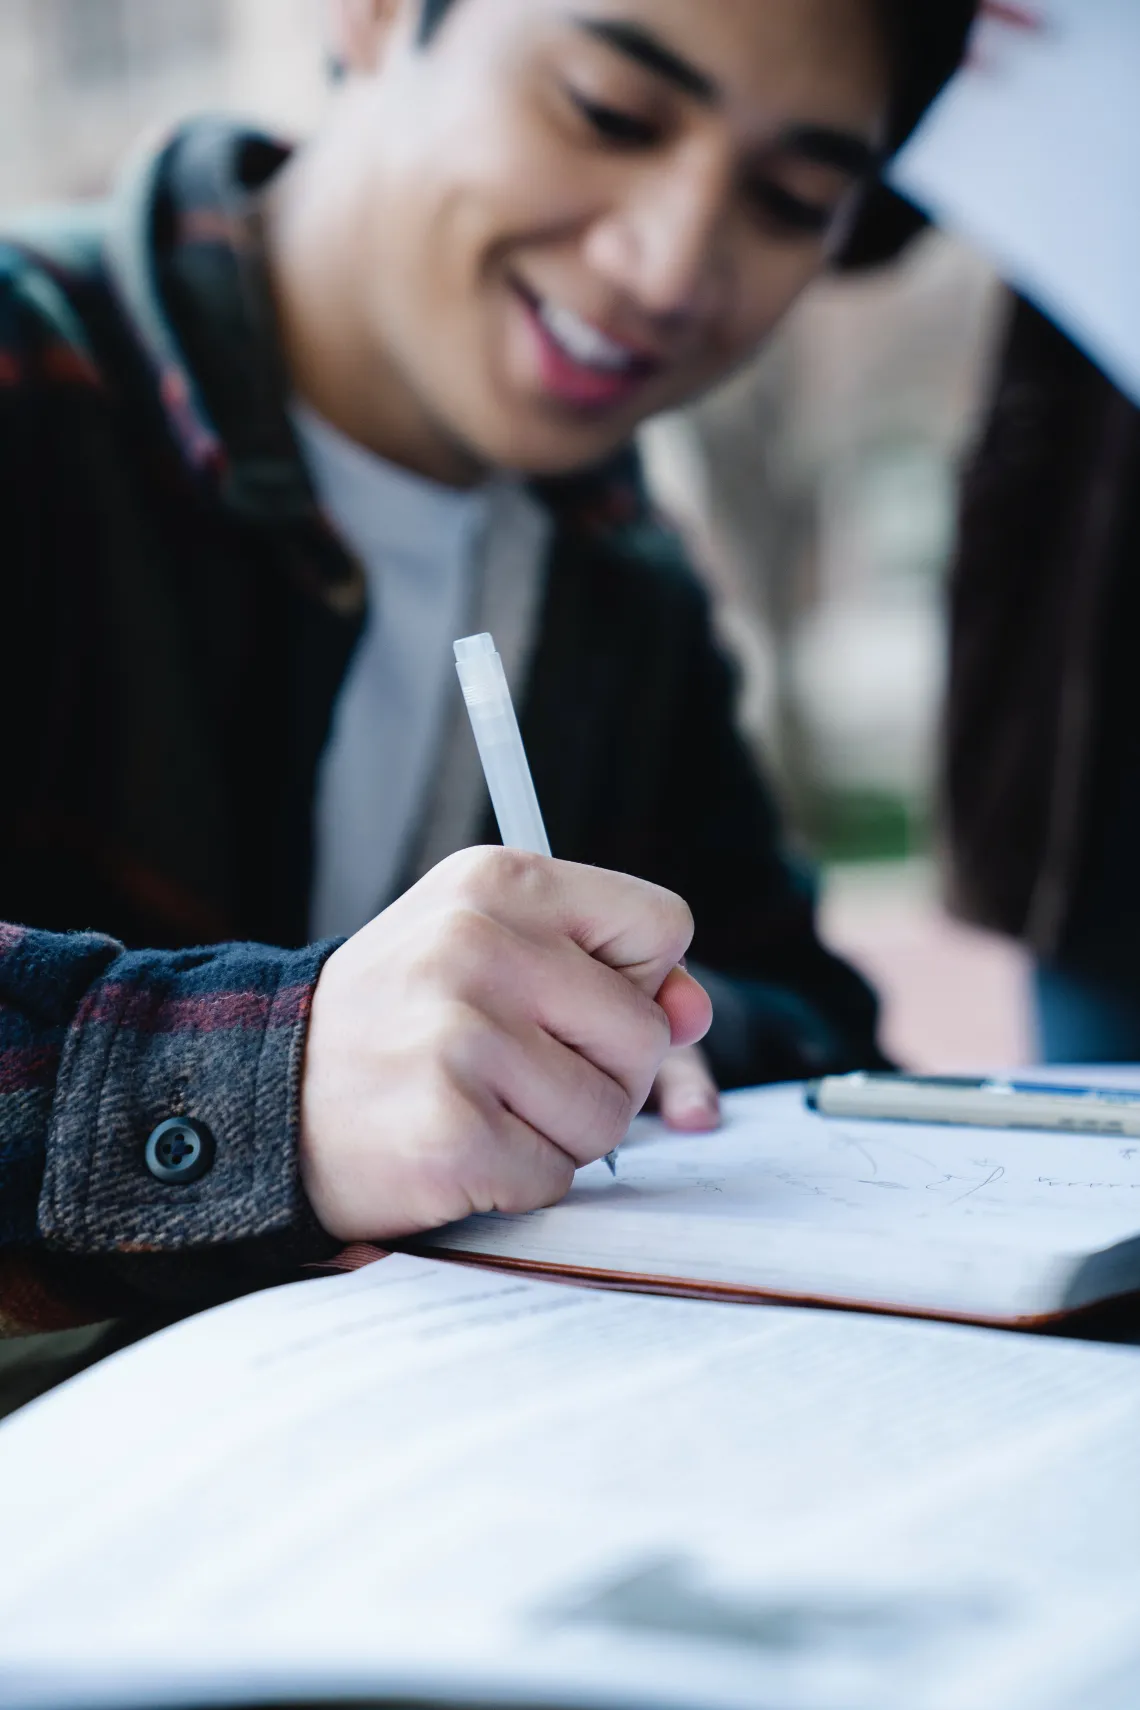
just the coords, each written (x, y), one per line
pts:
(359, 31)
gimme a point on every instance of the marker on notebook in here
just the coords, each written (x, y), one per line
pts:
(991, 1102)
(500, 745)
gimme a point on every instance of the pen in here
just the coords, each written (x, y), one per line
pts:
(500, 744)
(993, 1102)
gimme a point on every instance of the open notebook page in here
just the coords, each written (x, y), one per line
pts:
(973, 1222)
(426, 1482)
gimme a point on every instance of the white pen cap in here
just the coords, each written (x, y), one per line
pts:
(496, 729)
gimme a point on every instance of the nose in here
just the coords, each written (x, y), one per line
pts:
(665, 245)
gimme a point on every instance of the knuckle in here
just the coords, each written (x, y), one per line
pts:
(441, 1099)
(466, 877)
(469, 938)
(455, 1128)
(518, 867)
(459, 868)
(458, 950)
(464, 1038)
(475, 871)
(485, 876)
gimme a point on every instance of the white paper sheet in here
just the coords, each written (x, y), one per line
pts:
(1034, 155)
(983, 1222)
(425, 1479)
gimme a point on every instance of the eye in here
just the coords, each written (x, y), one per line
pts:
(621, 129)
(791, 213)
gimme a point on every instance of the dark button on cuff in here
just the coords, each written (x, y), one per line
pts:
(180, 1152)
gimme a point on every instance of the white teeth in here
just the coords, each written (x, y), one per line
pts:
(582, 342)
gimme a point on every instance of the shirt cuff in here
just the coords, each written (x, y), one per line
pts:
(216, 1036)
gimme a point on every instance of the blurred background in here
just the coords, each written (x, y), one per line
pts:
(817, 491)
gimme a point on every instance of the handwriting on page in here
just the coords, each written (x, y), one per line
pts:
(774, 1159)
(887, 1160)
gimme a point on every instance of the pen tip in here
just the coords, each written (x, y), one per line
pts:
(611, 1163)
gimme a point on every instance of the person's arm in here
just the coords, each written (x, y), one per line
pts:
(494, 1030)
(98, 1048)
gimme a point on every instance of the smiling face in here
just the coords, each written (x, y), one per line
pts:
(559, 217)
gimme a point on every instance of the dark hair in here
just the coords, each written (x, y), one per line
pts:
(926, 40)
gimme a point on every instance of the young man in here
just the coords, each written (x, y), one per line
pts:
(273, 431)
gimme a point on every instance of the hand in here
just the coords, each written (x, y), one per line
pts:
(685, 1095)
(495, 1029)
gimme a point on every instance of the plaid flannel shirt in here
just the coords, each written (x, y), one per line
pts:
(178, 618)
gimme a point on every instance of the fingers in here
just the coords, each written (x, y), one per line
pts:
(531, 988)
(496, 1027)
(635, 928)
(453, 1153)
(685, 1094)
(687, 1006)
(556, 1092)
(625, 923)
(502, 1163)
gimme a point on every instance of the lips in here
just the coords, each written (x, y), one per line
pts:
(581, 366)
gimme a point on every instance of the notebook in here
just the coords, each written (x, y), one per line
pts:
(427, 1485)
(983, 1225)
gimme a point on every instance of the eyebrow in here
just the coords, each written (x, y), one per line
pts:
(647, 49)
(822, 145)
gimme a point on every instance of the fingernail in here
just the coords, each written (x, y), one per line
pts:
(697, 1110)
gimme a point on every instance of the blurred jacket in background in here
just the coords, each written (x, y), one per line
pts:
(1042, 749)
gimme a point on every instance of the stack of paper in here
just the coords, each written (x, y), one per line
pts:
(424, 1484)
